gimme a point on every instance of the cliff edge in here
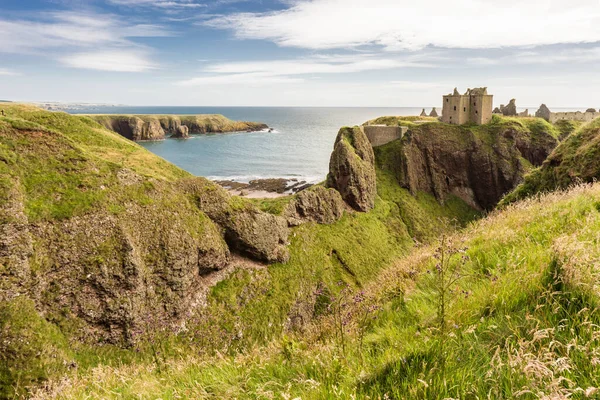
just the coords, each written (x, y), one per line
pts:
(157, 127)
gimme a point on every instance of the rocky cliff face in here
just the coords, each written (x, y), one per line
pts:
(352, 169)
(150, 127)
(106, 252)
(477, 164)
(575, 160)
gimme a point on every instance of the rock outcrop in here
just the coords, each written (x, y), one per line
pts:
(246, 230)
(112, 251)
(318, 204)
(478, 168)
(181, 132)
(543, 112)
(574, 160)
(156, 127)
(352, 169)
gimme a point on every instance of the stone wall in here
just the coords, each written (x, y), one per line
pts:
(379, 135)
(481, 108)
(574, 116)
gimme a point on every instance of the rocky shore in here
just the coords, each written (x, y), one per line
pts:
(264, 188)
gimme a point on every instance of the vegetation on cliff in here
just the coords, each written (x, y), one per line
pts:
(126, 277)
(478, 163)
(521, 321)
(157, 127)
(576, 159)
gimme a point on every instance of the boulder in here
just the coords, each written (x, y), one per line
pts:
(247, 230)
(318, 204)
(352, 169)
(181, 132)
(433, 113)
(543, 112)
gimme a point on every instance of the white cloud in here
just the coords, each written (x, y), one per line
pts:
(247, 79)
(410, 25)
(8, 72)
(342, 65)
(81, 40)
(288, 71)
(110, 60)
(543, 55)
(182, 4)
(71, 29)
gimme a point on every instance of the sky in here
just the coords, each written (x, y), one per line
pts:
(381, 53)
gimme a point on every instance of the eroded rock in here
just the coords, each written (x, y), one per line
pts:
(318, 204)
(352, 169)
(181, 132)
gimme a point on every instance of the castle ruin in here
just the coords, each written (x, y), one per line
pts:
(475, 106)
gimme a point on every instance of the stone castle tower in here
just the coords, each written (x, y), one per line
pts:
(475, 106)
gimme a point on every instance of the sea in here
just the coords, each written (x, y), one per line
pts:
(299, 146)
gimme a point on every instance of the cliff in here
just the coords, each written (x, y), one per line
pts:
(575, 160)
(157, 127)
(478, 163)
(99, 233)
(111, 255)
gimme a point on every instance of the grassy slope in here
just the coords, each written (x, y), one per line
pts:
(523, 322)
(252, 308)
(67, 165)
(576, 159)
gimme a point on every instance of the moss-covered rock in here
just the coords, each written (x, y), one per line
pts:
(247, 230)
(31, 349)
(477, 164)
(576, 159)
(352, 169)
(101, 245)
(318, 204)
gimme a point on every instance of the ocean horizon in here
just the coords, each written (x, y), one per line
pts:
(298, 148)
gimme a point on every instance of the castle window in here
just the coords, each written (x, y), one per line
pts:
(454, 108)
(476, 112)
(465, 109)
(447, 100)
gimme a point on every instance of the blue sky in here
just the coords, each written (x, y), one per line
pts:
(299, 52)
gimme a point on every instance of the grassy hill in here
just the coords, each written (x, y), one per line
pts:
(122, 276)
(520, 319)
(107, 248)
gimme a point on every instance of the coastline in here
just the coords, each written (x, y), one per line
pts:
(267, 188)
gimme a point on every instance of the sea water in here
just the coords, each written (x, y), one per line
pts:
(298, 147)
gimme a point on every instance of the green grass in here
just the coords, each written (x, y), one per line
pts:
(523, 323)
(576, 159)
(353, 313)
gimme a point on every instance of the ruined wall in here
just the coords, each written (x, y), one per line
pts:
(379, 135)
(573, 116)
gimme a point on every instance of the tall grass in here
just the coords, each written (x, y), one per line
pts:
(523, 323)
